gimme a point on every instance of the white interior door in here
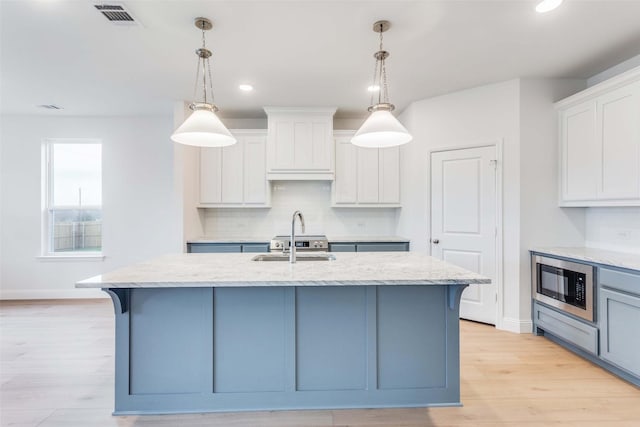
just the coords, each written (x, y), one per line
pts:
(463, 221)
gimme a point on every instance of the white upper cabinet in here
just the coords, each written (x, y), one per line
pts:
(300, 143)
(235, 176)
(580, 153)
(618, 124)
(600, 144)
(365, 177)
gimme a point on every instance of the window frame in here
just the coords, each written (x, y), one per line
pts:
(47, 251)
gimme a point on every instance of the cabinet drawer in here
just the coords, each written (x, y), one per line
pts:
(256, 247)
(623, 281)
(565, 327)
(342, 247)
(196, 248)
(383, 247)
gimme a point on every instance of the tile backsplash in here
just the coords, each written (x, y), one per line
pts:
(313, 198)
(616, 229)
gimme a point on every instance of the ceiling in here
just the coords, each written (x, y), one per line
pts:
(295, 53)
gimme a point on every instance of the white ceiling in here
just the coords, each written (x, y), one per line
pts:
(295, 53)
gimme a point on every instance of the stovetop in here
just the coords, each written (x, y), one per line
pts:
(304, 242)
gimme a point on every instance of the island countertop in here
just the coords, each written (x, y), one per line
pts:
(238, 270)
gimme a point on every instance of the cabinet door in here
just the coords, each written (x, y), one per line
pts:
(321, 145)
(619, 127)
(281, 140)
(620, 329)
(232, 172)
(210, 175)
(389, 175)
(368, 177)
(346, 181)
(580, 152)
(255, 172)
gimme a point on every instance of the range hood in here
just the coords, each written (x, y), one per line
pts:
(300, 143)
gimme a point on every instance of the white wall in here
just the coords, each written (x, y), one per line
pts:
(484, 114)
(542, 222)
(313, 198)
(520, 114)
(614, 228)
(139, 201)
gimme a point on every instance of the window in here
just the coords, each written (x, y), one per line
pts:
(73, 201)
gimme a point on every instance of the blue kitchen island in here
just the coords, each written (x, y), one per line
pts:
(221, 332)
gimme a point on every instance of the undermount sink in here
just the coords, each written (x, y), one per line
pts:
(299, 257)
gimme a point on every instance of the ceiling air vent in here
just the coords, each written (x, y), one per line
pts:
(116, 13)
(50, 107)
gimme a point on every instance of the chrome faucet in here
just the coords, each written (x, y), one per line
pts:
(292, 250)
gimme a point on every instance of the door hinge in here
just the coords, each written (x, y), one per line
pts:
(494, 163)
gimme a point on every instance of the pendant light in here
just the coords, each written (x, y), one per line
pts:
(203, 128)
(381, 129)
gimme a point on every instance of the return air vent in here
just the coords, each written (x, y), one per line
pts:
(116, 13)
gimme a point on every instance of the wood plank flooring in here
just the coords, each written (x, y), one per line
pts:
(56, 369)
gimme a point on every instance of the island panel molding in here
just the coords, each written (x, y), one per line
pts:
(219, 332)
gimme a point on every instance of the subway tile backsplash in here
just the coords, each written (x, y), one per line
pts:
(313, 198)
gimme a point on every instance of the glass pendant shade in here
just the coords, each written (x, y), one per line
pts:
(203, 129)
(381, 129)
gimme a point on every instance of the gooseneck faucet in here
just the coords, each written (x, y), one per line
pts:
(292, 250)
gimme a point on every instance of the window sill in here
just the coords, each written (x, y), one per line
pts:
(72, 257)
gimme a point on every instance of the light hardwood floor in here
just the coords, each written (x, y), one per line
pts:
(57, 370)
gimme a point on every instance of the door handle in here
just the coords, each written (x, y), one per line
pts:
(435, 241)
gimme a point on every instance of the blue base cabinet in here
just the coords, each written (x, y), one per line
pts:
(613, 340)
(369, 247)
(266, 348)
(619, 307)
(259, 247)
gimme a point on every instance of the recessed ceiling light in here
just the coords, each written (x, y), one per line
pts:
(547, 5)
(245, 88)
(373, 88)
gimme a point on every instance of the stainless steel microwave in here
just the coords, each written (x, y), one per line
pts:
(568, 286)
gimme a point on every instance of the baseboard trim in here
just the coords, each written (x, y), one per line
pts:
(516, 325)
(27, 294)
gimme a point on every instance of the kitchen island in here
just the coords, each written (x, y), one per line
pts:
(220, 332)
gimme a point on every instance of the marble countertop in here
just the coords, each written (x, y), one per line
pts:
(238, 270)
(332, 239)
(597, 256)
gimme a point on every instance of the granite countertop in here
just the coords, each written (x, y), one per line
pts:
(596, 256)
(238, 270)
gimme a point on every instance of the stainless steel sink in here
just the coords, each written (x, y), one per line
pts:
(299, 257)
